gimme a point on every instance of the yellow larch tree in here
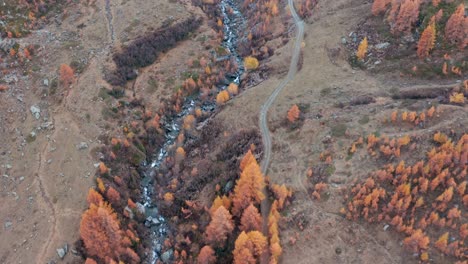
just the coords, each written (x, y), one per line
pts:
(362, 49)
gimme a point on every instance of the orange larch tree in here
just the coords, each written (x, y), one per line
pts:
(247, 159)
(220, 226)
(249, 246)
(418, 240)
(379, 6)
(293, 113)
(90, 261)
(427, 41)
(456, 28)
(222, 97)
(251, 219)
(94, 197)
(218, 202)
(206, 256)
(248, 188)
(113, 195)
(407, 16)
(102, 236)
(67, 75)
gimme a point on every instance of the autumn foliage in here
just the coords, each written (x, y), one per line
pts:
(67, 75)
(251, 63)
(423, 200)
(206, 256)
(94, 197)
(222, 97)
(456, 28)
(249, 247)
(248, 188)
(293, 113)
(379, 6)
(362, 49)
(102, 236)
(427, 41)
(251, 219)
(403, 15)
(220, 226)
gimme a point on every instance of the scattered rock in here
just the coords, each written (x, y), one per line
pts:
(408, 39)
(47, 125)
(158, 247)
(152, 211)
(82, 145)
(36, 111)
(166, 256)
(7, 44)
(228, 186)
(383, 45)
(129, 212)
(338, 251)
(61, 252)
(344, 41)
(8, 166)
(8, 224)
(377, 62)
(386, 227)
(10, 78)
(140, 208)
(46, 82)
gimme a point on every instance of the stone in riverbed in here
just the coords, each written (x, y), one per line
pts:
(140, 208)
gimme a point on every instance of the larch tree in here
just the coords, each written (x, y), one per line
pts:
(362, 49)
(67, 75)
(379, 6)
(247, 159)
(222, 97)
(220, 227)
(180, 154)
(251, 63)
(456, 29)
(248, 188)
(206, 256)
(101, 233)
(90, 261)
(94, 197)
(249, 246)
(407, 16)
(251, 219)
(427, 41)
(113, 195)
(218, 202)
(293, 113)
(233, 89)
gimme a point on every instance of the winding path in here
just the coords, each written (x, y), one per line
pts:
(291, 73)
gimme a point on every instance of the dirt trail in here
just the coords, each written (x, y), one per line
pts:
(266, 137)
(292, 71)
(109, 18)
